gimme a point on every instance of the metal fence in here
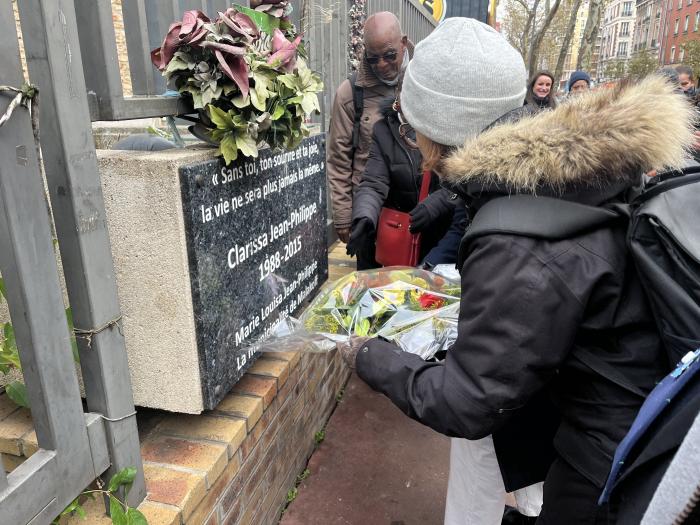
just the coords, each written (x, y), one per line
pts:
(74, 447)
(324, 22)
(71, 53)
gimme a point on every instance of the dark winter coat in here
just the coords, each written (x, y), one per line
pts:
(393, 179)
(533, 312)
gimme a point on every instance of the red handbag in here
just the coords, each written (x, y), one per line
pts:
(396, 245)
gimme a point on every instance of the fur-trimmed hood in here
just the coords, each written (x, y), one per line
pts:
(607, 137)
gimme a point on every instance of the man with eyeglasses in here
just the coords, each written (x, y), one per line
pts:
(386, 55)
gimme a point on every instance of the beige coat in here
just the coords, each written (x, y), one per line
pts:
(343, 171)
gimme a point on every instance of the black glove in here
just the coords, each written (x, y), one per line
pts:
(359, 234)
(420, 218)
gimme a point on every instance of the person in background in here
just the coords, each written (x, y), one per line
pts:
(579, 82)
(539, 93)
(563, 316)
(386, 55)
(392, 179)
(686, 80)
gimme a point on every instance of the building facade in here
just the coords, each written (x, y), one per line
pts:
(617, 34)
(680, 23)
(647, 28)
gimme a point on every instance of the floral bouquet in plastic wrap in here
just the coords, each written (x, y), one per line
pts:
(415, 309)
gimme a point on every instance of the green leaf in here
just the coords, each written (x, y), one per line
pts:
(290, 81)
(228, 148)
(278, 111)
(135, 517)
(247, 145)
(116, 512)
(219, 117)
(241, 102)
(80, 511)
(310, 103)
(257, 101)
(73, 340)
(73, 505)
(9, 335)
(18, 393)
(2, 288)
(125, 477)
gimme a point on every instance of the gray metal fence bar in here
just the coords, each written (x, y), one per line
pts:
(54, 476)
(3, 476)
(99, 51)
(138, 47)
(55, 64)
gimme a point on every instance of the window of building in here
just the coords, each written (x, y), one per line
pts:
(690, 2)
(682, 54)
(627, 8)
(680, 4)
(625, 29)
(675, 28)
(697, 21)
(673, 54)
(685, 25)
(622, 49)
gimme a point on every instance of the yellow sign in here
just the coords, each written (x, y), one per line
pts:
(436, 8)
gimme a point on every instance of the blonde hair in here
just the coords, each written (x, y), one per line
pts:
(432, 152)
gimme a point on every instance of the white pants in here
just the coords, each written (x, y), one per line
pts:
(475, 491)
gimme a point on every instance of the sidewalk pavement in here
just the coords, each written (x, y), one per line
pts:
(375, 466)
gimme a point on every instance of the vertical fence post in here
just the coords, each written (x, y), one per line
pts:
(138, 47)
(55, 65)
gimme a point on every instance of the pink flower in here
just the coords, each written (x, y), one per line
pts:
(284, 51)
(190, 31)
(239, 24)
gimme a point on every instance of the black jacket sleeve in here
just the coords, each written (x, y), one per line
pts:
(445, 252)
(440, 204)
(517, 323)
(374, 188)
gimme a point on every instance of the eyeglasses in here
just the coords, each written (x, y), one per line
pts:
(405, 132)
(388, 57)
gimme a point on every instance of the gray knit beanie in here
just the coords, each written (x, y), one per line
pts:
(462, 77)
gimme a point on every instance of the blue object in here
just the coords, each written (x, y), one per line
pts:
(657, 400)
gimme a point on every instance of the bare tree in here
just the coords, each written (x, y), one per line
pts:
(590, 33)
(566, 43)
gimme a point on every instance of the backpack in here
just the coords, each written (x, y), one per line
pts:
(358, 102)
(663, 237)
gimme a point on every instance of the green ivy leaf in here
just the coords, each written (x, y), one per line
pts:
(17, 391)
(228, 148)
(135, 517)
(247, 145)
(9, 334)
(116, 512)
(2, 288)
(125, 477)
(220, 117)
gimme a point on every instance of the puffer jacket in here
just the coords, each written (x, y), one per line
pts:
(545, 315)
(393, 178)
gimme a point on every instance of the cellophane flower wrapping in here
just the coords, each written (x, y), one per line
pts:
(415, 309)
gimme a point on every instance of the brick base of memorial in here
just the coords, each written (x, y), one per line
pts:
(233, 465)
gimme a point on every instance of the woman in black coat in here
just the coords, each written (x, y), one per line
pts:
(392, 179)
(565, 316)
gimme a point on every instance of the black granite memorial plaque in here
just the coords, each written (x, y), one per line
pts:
(257, 248)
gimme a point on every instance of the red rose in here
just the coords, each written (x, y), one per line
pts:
(428, 301)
